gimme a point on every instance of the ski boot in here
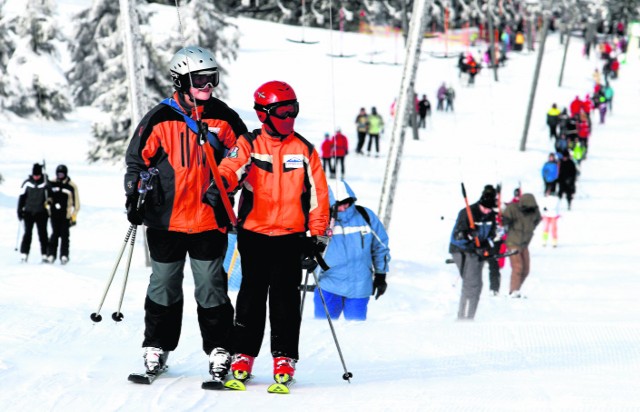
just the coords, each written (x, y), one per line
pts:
(241, 366)
(155, 360)
(283, 369)
(219, 363)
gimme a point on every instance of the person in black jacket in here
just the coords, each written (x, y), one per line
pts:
(567, 177)
(424, 110)
(31, 209)
(468, 256)
(64, 204)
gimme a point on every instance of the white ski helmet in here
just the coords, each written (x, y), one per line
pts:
(191, 59)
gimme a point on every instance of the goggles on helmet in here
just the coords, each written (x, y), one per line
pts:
(201, 80)
(281, 110)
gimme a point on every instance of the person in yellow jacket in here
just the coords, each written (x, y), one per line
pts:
(284, 197)
(553, 119)
(376, 128)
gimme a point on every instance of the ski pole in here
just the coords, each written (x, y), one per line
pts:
(304, 292)
(145, 177)
(145, 186)
(347, 375)
(95, 316)
(117, 315)
(320, 257)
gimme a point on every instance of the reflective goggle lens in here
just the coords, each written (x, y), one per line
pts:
(199, 81)
(285, 110)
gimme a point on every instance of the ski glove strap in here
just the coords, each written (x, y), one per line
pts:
(379, 284)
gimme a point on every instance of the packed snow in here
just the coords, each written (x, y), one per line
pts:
(571, 345)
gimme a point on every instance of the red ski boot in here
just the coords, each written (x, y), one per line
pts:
(283, 369)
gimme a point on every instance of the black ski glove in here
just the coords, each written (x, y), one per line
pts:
(309, 264)
(20, 214)
(314, 245)
(379, 284)
(134, 215)
(311, 247)
(212, 197)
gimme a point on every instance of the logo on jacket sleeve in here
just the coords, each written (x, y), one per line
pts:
(233, 153)
(294, 161)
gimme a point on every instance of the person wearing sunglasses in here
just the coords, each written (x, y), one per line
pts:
(284, 197)
(178, 224)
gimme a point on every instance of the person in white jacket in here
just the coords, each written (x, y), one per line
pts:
(550, 208)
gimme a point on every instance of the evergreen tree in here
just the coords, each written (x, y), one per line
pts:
(7, 47)
(36, 83)
(108, 88)
(96, 41)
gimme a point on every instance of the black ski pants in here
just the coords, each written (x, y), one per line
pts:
(340, 161)
(362, 136)
(494, 268)
(59, 232)
(40, 221)
(165, 299)
(327, 165)
(374, 138)
(271, 268)
(422, 123)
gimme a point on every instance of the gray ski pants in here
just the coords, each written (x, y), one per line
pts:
(470, 267)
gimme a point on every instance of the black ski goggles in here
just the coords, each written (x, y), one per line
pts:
(201, 80)
(281, 110)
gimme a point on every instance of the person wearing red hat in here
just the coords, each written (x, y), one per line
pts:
(284, 197)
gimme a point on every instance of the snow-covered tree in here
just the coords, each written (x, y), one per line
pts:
(96, 41)
(7, 47)
(34, 81)
(107, 86)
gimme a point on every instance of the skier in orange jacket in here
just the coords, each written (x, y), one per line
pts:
(284, 197)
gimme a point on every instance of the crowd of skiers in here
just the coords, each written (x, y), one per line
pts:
(43, 201)
(287, 211)
(485, 231)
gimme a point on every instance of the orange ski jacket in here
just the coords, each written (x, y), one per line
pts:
(163, 140)
(284, 189)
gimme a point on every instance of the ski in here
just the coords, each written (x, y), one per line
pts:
(281, 388)
(214, 384)
(497, 256)
(146, 378)
(236, 384)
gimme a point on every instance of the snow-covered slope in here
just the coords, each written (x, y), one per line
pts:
(571, 345)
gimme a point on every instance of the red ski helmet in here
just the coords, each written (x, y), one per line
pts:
(276, 105)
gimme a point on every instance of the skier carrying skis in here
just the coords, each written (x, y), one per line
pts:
(284, 196)
(169, 138)
(469, 247)
(358, 257)
(31, 209)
